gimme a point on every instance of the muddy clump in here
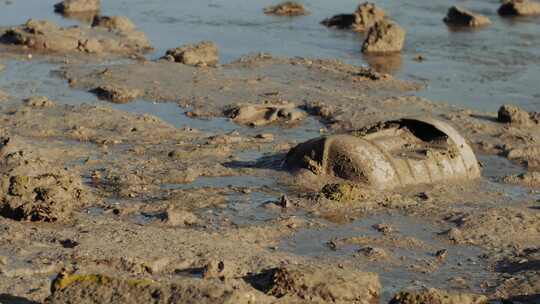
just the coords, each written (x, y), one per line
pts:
(261, 115)
(116, 94)
(529, 179)
(203, 53)
(98, 288)
(519, 8)
(33, 190)
(390, 155)
(435, 296)
(68, 7)
(46, 36)
(344, 192)
(114, 23)
(514, 115)
(365, 16)
(384, 37)
(316, 284)
(458, 16)
(287, 8)
(39, 102)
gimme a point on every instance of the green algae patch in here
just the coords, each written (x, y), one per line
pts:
(63, 281)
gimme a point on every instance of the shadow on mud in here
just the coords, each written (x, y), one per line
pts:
(273, 161)
(9, 299)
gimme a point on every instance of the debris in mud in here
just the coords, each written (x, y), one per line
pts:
(515, 115)
(458, 16)
(519, 8)
(98, 288)
(117, 94)
(114, 23)
(43, 35)
(77, 6)
(287, 8)
(261, 115)
(39, 102)
(33, 190)
(384, 37)
(435, 296)
(529, 179)
(201, 54)
(390, 155)
(365, 16)
(322, 284)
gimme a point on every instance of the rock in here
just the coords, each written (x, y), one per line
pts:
(519, 8)
(261, 115)
(116, 94)
(287, 8)
(98, 288)
(33, 190)
(435, 296)
(39, 102)
(365, 16)
(178, 217)
(77, 6)
(42, 35)
(529, 179)
(458, 16)
(341, 21)
(317, 284)
(201, 54)
(383, 37)
(515, 115)
(114, 23)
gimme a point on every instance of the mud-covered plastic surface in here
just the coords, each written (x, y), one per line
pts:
(405, 152)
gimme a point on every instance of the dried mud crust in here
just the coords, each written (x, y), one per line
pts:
(47, 37)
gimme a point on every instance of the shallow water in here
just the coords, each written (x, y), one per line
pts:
(462, 262)
(478, 69)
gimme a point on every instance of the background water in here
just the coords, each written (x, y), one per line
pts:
(478, 69)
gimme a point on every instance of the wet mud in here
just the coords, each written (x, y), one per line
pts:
(132, 178)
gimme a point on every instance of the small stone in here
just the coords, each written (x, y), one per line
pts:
(458, 16)
(39, 102)
(116, 94)
(201, 54)
(384, 37)
(519, 8)
(515, 115)
(77, 6)
(287, 8)
(118, 23)
(441, 255)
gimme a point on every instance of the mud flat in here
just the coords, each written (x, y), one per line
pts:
(97, 198)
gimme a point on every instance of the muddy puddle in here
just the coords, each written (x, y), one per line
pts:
(408, 253)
